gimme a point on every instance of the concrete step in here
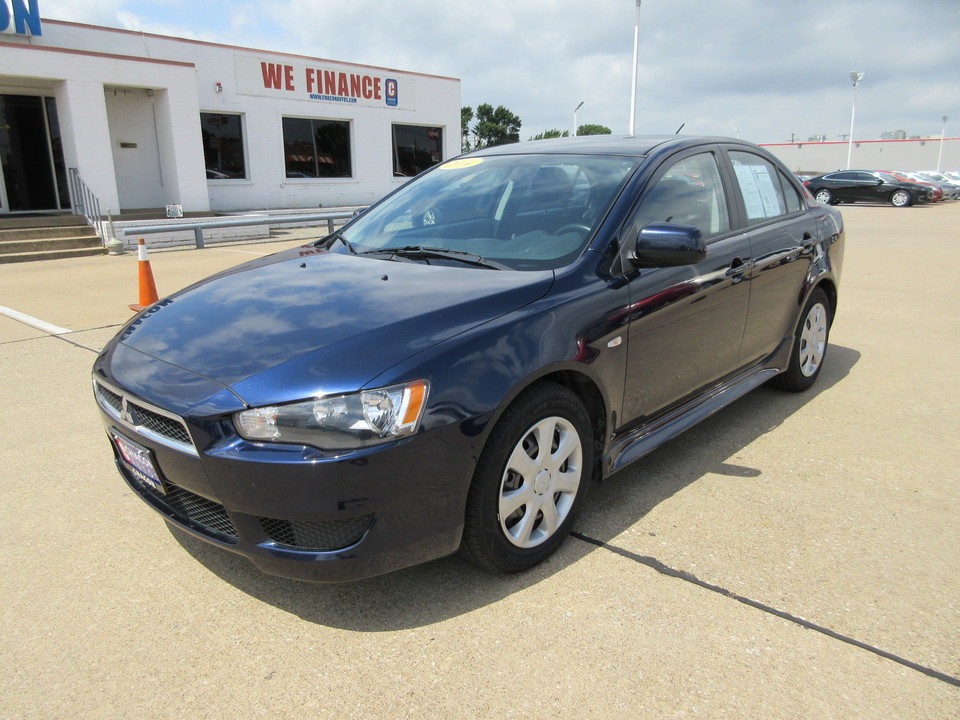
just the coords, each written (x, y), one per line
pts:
(50, 255)
(8, 247)
(25, 238)
(40, 220)
(40, 233)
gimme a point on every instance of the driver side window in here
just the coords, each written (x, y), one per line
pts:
(690, 192)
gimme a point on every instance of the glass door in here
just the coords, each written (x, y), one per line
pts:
(31, 159)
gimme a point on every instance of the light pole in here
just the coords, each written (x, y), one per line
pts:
(943, 131)
(575, 117)
(856, 77)
(633, 86)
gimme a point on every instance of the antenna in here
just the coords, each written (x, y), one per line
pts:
(679, 128)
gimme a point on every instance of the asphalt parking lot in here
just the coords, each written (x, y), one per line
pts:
(794, 556)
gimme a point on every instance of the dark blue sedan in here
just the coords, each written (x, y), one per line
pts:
(454, 367)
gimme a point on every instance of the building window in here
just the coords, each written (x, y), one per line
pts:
(316, 148)
(223, 146)
(416, 149)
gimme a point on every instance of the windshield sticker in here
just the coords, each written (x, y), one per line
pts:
(460, 164)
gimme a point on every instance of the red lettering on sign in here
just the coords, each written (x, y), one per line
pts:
(329, 82)
(310, 79)
(354, 86)
(342, 88)
(367, 87)
(376, 88)
(288, 76)
(271, 75)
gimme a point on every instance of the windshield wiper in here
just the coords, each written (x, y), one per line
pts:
(416, 252)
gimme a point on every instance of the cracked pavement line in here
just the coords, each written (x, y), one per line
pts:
(668, 571)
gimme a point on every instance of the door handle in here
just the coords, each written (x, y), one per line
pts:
(738, 266)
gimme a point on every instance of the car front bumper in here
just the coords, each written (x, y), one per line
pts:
(295, 511)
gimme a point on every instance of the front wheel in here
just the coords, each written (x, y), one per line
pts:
(530, 481)
(900, 198)
(809, 345)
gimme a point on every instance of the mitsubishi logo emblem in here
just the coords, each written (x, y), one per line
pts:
(125, 413)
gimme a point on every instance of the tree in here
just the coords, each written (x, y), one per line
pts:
(466, 115)
(551, 134)
(495, 127)
(592, 129)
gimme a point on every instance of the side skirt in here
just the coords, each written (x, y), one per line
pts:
(641, 440)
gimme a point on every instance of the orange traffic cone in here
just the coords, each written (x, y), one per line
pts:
(148, 288)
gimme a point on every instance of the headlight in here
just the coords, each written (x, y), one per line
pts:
(340, 422)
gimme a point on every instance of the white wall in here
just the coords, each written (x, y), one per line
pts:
(195, 70)
(819, 158)
(78, 82)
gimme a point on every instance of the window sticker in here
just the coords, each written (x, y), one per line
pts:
(759, 194)
(460, 164)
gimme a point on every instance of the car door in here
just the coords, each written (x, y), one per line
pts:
(783, 238)
(869, 188)
(843, 185)
(685, 323)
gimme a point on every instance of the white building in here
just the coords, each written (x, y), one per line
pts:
(150, 121)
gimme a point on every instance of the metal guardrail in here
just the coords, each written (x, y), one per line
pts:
(199, 227)
(84, 202)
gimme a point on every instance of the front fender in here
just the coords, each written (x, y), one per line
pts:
(475, 376)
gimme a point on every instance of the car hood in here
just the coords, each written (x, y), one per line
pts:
(305, 322)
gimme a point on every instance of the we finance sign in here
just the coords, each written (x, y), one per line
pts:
(20, 17)
(300, 80)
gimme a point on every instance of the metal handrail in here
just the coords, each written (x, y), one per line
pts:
(199, 227)
(84, 202)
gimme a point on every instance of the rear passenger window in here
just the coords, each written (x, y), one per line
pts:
(791, 197)
(761, 188)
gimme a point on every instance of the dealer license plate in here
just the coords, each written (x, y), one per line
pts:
(140, 462)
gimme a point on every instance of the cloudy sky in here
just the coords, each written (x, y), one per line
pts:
(768, 70)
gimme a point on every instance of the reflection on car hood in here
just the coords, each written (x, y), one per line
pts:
(302, 321)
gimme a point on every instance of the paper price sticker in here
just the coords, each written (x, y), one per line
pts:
(460, 164)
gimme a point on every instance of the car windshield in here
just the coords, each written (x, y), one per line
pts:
(520, 212)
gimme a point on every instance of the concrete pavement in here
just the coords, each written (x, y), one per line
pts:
(794, 556)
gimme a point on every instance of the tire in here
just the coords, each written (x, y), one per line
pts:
(524, 496)
(900, 198)
(809, 345)
(823, 196)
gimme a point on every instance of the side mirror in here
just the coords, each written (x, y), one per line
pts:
(668, 245)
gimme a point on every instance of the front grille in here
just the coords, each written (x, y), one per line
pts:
(105, 394)
(190, 509)
(317, 534)
(160, 424)
(145, 419)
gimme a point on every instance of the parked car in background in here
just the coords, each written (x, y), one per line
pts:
(453, 367)
(866, 186)
(951, 190)
(937, 192)
(945, 188)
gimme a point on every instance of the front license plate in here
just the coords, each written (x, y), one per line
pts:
(140, 462)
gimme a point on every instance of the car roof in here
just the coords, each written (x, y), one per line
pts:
(633, 145)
